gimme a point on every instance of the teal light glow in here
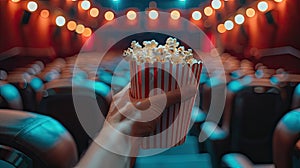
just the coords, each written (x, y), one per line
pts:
(51, 76)
(105, 77)
(214, 81)
(36, 84)
(259, 73)
(235, 86)
(235, 74)
(99, 87)
(9, 92)
(292, 121)
(203, 78)
(46, 134)
(232, 161)
(102, 89)
(119, 81)
(214, 132)
(274, 80)
(198, 115)
(80, 75)
(246, 80)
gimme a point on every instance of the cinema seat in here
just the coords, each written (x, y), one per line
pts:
(33, 140)
(30, 88)
(286, 136)
(286, 148)
(10, 96)
(296, 98)
(89, 108)
(250, 117)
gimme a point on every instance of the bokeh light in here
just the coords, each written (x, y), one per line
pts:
(196, 15)
(15, 0)
(60, 21)
(208, 11)
(239, 19)
(250, 12)
(94, 12)
(71, 25)
(44, 13)
(278, 0)
(32, 6)
(109, 15)
(131, 15)
(85, 5)
(175, 14)
(228, 25)
(87, 32)
(221, 28)
(80, 29)
(216, 4)
(262, 6)
(153, 14)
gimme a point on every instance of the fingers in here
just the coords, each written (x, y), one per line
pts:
(171, 97)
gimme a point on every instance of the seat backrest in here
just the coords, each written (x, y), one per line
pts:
(296, 98)
(29, 87)
(84, 118)
(42, 139)
(256, 109)
(11, 96)
(286, 135)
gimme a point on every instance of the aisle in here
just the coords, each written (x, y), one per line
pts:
(186, 155)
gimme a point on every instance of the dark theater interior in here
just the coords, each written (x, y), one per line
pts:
(149, 83)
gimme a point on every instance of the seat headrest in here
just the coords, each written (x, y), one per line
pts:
(41, 138)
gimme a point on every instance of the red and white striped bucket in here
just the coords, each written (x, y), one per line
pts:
(173, 126)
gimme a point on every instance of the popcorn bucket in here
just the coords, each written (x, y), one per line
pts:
(173, 126)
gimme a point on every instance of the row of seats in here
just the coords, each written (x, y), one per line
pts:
(256, 97)
(50, 90)
(255, 93)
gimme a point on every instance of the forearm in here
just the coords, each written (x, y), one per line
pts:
(109, 149)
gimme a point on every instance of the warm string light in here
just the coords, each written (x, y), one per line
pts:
(71, 25)
(262, 6)
(131, 15)
(221, 28)
(109, 15)
(196, 15)
(175, 14)
(87, 32)
(44, 13)
(250, 12)
(216, 4)
(208, 11)
(228, 25)
(32, 6)
(60, 21)
(80, 28)
(85, 5)
(153, 14)
(94, 12)
(239, 19)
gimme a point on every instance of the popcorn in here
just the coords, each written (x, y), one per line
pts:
(152, 52)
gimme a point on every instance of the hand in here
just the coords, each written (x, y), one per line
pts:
(111, 148)
(139, 117)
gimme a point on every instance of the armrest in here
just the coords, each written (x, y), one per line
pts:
(236, 160)
(216, 141)
(213, 132)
